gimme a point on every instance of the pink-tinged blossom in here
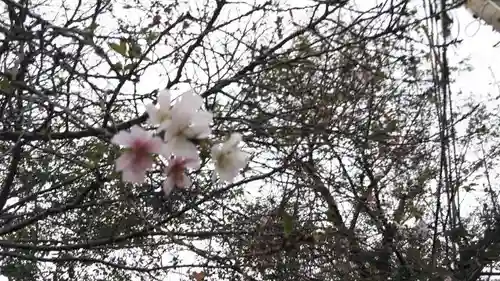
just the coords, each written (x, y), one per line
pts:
(229, 158)
(176, 173)
(137, 158)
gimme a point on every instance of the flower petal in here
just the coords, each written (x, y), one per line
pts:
(164, 125)
(239, 159)
(152, 112)
(124, 161)
(235, 138)
(164, 100)
(216, 152)
(229, 159)
(143, 163)
(156, 145)
(139, 133)
(123, 138)
(227, 174)
(198, 132)
(185, 182)
(182, 147)
(183, 110)
(200, 125)
(190, 100)
(133, 176)
(168, 186)
(232, 142)
(203, 118)
(181, 119)
(193, 163)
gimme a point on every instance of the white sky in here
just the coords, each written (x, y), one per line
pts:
(480, 83)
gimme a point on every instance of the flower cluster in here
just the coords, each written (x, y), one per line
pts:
(183, 122)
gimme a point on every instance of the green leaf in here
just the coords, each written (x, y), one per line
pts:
(392, 126)
(21, 271)
(4, 84)
(119, 48)
(123, 43)
(152, 36)
(117, 67)
(130, 66)
(287, 223)
(92, 27)
(135, 50)
(95, 152)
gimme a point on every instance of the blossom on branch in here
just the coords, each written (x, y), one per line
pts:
(137, 158)
(162, 114)
(229, 158)
(184, 122)
(176, 175)
(188, 123)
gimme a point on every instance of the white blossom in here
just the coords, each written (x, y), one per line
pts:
(188, 103)
(188, 123)
(229, 158)
(137, 159)
(162, 114)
